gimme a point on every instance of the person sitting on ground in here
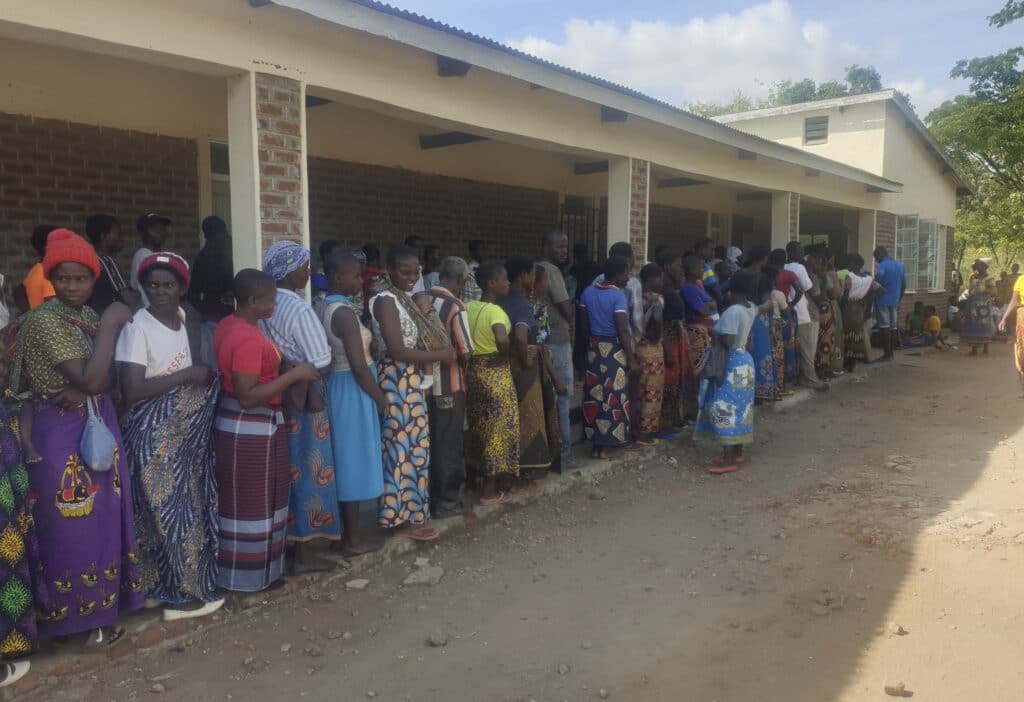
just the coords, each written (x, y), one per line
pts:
(914, 323)
(727, 385)
(932, 328)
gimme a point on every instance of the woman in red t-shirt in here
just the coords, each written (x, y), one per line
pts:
(789, 286)
(252, 451)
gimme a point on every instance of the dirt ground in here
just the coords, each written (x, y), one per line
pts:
(875, 538)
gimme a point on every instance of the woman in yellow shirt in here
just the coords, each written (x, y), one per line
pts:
(1016, 298)
(491, 406)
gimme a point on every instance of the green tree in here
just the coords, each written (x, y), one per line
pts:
(858, 80)
(863, 79)
(1013, 10)
(983, 132)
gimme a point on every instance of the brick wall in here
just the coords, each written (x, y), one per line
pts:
(885, 231)
(356, 203)
(675, 227)
(56, 172)
(639, 191)
(279, 135)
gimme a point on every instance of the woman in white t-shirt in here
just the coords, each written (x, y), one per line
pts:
(168, 445)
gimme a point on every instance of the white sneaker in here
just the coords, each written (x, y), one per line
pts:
(172, 614)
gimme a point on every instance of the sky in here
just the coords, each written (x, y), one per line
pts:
(684, 51)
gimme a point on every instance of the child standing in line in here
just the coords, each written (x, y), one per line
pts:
(726, 397)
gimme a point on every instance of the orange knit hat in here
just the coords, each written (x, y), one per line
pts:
(64, 246)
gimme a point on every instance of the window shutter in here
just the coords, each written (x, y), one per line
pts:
(816, 130)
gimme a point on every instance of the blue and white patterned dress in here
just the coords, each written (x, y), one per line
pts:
(726, 413)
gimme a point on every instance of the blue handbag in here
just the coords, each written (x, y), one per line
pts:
(98, 445)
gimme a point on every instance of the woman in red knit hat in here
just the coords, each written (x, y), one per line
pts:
(83, 514)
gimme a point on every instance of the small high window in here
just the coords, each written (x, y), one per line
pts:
(815, 130)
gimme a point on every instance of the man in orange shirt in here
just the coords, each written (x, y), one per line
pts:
(37, 285)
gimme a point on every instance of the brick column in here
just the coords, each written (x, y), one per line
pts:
(639, 207)
(279, 129)
(267, 148)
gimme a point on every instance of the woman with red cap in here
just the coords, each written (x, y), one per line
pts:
(174, 491)
(83, 513)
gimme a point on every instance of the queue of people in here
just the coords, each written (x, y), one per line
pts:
(168, 438)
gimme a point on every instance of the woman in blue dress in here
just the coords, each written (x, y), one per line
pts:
(726, 396)
(355, 399)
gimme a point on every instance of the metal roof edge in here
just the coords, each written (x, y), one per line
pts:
(422, 33)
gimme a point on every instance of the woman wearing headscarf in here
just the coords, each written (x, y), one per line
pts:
(399, 327)
(83, 513)
(299, 334)
(978, 326)
(859, 289)
(168, 443)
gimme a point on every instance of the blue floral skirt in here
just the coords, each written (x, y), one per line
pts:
(726, 413)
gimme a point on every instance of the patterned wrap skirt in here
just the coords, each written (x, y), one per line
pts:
(790, 348)
(826, 340)
(698, 333)
(651, 356)
(1018, 348)
(779, 354)
(313, 502)
(534, 450)
(978, 327)
(252, 495)
(677, 377)
(85, 525)
(854, 344)
(766, 372)
(168, 442)
(22, 584)
(405, 442)
(727, 409)
(493, 415)
(606, 406)
(839, 353)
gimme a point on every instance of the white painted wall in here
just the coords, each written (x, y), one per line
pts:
(927, 192)
(856, 134)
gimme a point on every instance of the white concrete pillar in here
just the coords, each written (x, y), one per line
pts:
(785, 218)
(246, 232)
(619, 187)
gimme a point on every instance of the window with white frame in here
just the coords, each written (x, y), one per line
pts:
(919, 249)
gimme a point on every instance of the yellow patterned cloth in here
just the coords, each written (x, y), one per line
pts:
(493, 415)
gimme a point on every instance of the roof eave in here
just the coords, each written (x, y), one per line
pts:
(429, 35)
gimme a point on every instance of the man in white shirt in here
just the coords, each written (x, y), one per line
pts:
(806, 324)
(153, 231)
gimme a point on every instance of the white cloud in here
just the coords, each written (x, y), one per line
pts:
(925, 98)
(705, 58)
